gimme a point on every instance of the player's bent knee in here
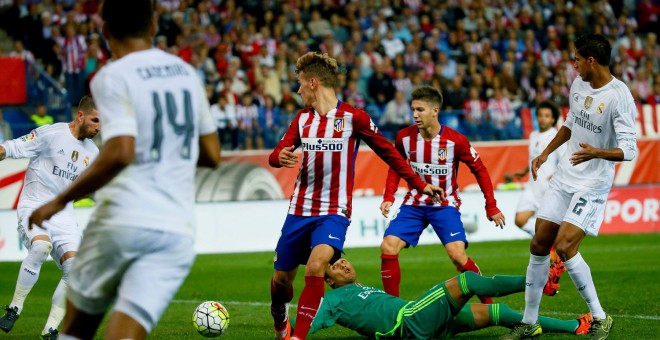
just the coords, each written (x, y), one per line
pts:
(39, 251)
(566, 250)
(391, 245)
(540, 247)
(315, 268)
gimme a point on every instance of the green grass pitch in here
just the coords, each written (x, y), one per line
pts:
(626, 270)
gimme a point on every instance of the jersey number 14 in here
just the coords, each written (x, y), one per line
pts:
(186, 129)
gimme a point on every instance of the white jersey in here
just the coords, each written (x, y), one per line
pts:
(57, 158)
(538, 141)
(158, 99)
(603, 118)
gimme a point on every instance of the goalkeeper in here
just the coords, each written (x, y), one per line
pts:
(440, 313)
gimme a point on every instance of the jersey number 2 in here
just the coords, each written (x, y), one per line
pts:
(577, 209)
(186, 129)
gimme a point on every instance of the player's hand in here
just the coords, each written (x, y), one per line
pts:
(287, 158)
(586, 153)
(537, 162)
(436, 192)
(498, 219)
(385, 208)
(44, 213)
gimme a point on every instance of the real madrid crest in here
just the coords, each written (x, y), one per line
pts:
(74, 156)
(339, 124)
(587, 102)
(601, 108)
(442, 154)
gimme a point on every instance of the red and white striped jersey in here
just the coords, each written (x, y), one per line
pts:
(329, 147)
(436, 162)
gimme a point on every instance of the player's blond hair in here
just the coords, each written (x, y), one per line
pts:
(321, 66)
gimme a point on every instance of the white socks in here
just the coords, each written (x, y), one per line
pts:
(581, 275)
(537, 275)
(58, 307)
(29, 272)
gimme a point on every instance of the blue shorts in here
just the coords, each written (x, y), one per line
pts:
(410, 221)
(300, 234)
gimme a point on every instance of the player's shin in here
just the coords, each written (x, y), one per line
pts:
(58, 307)
(537, 274)
(580, 273)
(390, 272)
(503, 315)
(279, 308)
(308, 305)
(29, 272)
(473, 284)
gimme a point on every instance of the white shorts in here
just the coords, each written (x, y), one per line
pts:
(64, 236)
(532, 196)
(139, 270)
(582, 209)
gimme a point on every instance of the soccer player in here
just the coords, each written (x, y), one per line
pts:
(329, 132)
(547, 114)
(439, 313)
(58, 153)
(600, 130)
(434, 152)
(138, 247)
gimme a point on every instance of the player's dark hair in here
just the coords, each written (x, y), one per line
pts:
(127, 18)
(428, 94)
(546, 104)
(86, 105)
(596, 46)
(318, 65)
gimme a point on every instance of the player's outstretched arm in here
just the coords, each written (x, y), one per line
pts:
(116, 154)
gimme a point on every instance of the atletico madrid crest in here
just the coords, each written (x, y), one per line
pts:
(442, 154)
(339, 124)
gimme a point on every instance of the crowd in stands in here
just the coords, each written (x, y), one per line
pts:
(490, 58)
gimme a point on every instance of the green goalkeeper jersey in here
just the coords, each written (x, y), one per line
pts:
(367, 310)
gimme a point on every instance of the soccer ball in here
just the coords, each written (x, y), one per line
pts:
(210, 319)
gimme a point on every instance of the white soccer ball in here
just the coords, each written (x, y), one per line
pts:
(210, 319)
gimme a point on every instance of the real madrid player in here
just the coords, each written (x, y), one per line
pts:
(58, 154)
(138, 246)
(600, 130)
(434, 152)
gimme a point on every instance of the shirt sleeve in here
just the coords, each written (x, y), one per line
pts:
(325, 316)
(112, 99)
(469, 156)
(624, 127)
(27, 146)
(291, 137)
(365, 128)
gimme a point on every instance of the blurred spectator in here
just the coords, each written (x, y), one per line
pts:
(402, 83)
(454, 94)
(501, 114)
(396, 116)
(247, 114)
(269, 120)
(392, 45)
(41, 116)
(475, 116)
(20, 52)
(74, 49)
(381, 87)
(225, 120)
(5, 129)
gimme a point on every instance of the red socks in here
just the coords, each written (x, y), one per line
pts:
(472, 267)
(310, 300)
(390, 273)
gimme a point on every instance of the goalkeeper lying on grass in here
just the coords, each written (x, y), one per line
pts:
(439, 313)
